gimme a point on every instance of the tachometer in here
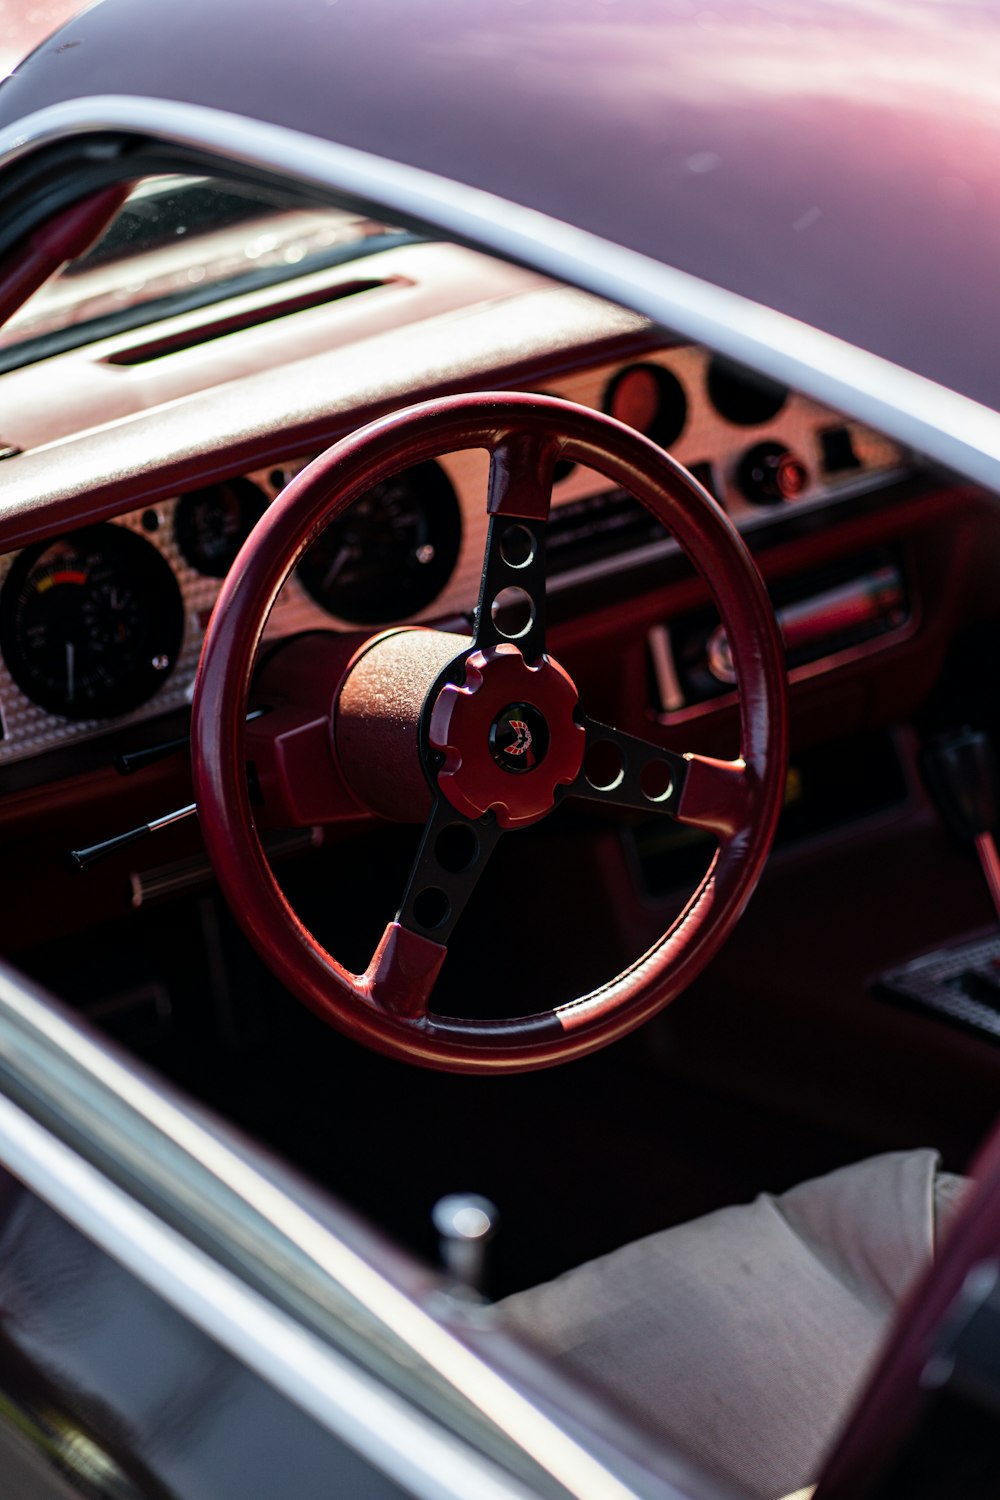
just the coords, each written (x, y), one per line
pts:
(392, 553)
(91, 625)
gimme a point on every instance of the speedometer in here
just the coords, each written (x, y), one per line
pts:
(91, 625)
(392, 553)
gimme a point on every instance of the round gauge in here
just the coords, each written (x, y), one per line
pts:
(392, 553)
(211, 525)
(650, 399)
(91, 625)
(768, 474)
(743, 397)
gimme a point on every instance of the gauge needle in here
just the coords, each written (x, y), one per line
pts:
(343, 556)
(70, 671)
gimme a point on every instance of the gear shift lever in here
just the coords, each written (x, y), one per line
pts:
(960, 771)
(465, 1222)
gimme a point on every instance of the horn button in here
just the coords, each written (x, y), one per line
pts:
(508, 736)
(519, 738)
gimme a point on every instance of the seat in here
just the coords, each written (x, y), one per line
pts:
(742, 1337)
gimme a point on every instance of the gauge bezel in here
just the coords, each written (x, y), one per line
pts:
(401, 593)
(162, 620)
(668, 420)
(744, 398)
(252, 503)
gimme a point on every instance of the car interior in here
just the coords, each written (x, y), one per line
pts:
(160, 394)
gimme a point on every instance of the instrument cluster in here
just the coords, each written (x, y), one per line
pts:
(109, 620)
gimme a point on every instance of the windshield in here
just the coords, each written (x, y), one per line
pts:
(176, 244)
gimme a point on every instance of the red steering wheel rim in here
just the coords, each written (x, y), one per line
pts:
(744, 819)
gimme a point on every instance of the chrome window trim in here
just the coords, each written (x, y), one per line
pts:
(379, 1425)
(951, 429)
(231, 1210)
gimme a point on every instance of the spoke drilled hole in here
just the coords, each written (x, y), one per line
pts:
(517, 546)
(604, 766)
(456, 848)
(656, 781)
(430, 908)
(513, 613)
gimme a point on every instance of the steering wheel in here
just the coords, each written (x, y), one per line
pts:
(487, 733)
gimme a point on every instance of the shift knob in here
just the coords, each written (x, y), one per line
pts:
(466, 1222)
(960, 770)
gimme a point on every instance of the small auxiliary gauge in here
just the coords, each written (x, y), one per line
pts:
(650, 399)
(212, 524)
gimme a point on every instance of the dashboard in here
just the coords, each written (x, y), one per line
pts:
(105, 624)
(137, 463)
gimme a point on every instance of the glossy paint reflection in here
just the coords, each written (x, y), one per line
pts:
(834, 162)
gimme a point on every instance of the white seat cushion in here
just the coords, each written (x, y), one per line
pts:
(742, 1337)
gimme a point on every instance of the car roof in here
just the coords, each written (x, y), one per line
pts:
(832, 159)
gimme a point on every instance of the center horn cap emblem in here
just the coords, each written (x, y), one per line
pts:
(507, 735)
(519, 738)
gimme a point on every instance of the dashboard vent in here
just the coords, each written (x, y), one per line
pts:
(582, 532)
(233, 322)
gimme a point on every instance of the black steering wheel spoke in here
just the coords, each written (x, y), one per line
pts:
(625, 771)
(512, 591)
(453, 854)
